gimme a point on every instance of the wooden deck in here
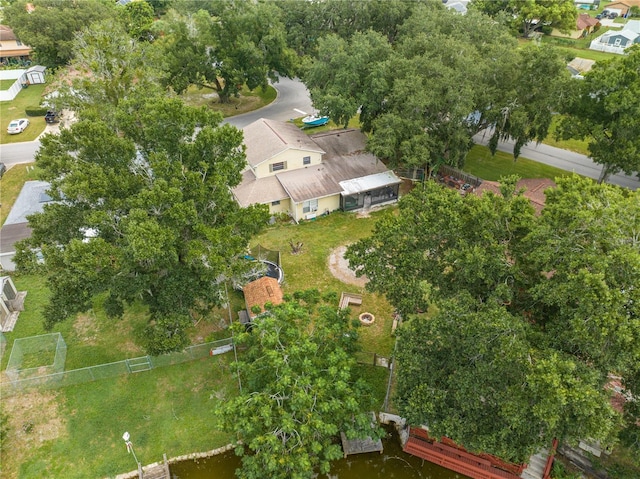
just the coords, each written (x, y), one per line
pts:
(453, 458)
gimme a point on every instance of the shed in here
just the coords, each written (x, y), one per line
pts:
(259, 293)
(35, 75)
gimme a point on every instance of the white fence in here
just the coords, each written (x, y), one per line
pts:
(10, 94)
(603, 47)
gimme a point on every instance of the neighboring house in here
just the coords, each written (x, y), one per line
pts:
(458, 6)
(617, 41)
(534, 189)
(585, 25)
(31, 199)
(10, 47)
(623, 7)
(304, 176)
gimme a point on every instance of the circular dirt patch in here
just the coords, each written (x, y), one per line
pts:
(339, 267)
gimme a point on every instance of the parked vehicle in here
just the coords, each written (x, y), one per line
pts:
(52, 117)
(17, 126)
(599, 16)
(3, 168)
(613, 15)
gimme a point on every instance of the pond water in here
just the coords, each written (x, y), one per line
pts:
(392, 463)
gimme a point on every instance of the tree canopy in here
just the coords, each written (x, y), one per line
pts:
(50, 25)
(604, 110)
(529, 315)
(243, 43)
(444, 79)
(299, 390)
(531, 15)
(143, 212)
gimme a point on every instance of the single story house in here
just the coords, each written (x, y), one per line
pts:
(32, 198)
(305, 176)
(617, 41)
(585, 25)
(623, 6)
(11, 47)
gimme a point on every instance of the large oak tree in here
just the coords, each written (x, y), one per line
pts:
(143, 211)
(531, 314)
(604, 110)
(49, 26)
(299, 391)
(242, 43)
(444, 79)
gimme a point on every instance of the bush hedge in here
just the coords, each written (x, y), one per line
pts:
(36, 111)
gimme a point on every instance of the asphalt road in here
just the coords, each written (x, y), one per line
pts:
(564, 159)
(293, 95)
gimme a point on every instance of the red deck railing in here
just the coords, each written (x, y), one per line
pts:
(455, 458)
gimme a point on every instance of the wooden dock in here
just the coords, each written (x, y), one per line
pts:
(360, 446)
(157, 470)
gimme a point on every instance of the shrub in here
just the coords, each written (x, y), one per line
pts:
(35, 111)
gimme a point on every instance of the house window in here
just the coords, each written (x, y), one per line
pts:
(275, 203)
(310, 206)
(306, 160)
(281, 165)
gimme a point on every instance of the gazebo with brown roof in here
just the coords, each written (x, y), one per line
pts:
(260, 292)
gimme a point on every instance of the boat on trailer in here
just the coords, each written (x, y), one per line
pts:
(313, 120)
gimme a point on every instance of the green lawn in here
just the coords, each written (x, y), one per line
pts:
(11, 110)
(579, 146)
(480, 163)
(247, 101)
(6, 84)
(309, 269)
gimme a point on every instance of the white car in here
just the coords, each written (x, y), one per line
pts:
(17, 126)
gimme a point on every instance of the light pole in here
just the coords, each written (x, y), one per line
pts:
(126, 436)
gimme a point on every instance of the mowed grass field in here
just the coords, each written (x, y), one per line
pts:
(16, 108)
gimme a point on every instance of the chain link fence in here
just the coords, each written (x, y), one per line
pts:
(17, 384)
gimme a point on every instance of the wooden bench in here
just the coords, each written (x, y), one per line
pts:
(347, 299)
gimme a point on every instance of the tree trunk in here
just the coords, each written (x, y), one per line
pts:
(605, 174)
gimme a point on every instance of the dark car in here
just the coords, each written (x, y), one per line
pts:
(3, 168)
(52, 117)
(599, 16)
(613, 15)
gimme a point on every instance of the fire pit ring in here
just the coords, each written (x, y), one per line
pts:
(367, 318)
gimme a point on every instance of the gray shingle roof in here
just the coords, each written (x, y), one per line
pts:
(265, 139)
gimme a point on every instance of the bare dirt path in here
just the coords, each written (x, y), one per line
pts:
(339, 267)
